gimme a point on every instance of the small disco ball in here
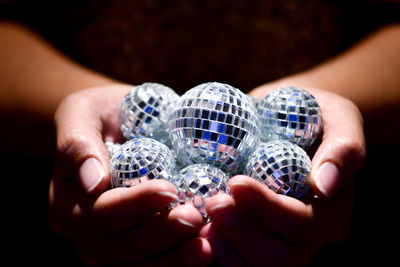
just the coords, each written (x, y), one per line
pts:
(197, 182)
(144, 112)
(139, 160)
(281, 165)
(292, 114)
(214, 123)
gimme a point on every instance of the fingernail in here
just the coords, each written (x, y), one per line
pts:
(327, 179)
(186, 223)
(90, 174)
(171, 195)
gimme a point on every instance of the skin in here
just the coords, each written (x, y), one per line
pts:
(113, 226)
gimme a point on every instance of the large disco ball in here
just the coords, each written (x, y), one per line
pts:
(292, 114)
(145, 111)
(139, 160)
(284, 167)
(214, 123)
(197, 182)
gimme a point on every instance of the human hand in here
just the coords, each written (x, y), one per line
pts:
(259, 227)
(122, 225)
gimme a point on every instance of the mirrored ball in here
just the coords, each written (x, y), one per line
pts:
(139, 160)
(145, 111)
(292, 114)
(284, 167)
(214, 123)
(197, 182)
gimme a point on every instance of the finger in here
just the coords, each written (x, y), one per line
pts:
(224, 253)
(156, 235)
(281, 214)
(75, 213)
(309, 221)
(256, 245)
(195, 252)
(161, 233)
(81, 121)
(342, 150)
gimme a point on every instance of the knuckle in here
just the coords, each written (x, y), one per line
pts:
(66, 102)
(354, 151)
(71, 142)
(75, 146)
(75, 101)
(351, 106)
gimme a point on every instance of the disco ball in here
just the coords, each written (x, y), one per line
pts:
(281, 165)
(292, 114)
(144, 112)
(197, 182)
(214, 123)
(139, 160)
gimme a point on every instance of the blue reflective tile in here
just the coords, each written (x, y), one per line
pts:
(214, 126)
(148, 109)
(206, 135)
(277, 174)
(293, 117)
(143, 171)
(221, 127)
(222, 139)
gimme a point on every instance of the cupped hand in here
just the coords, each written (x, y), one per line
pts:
(258, 227)
(120, 226)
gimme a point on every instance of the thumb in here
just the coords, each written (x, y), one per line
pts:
(342, 150)
(80, 147)
(92, 168)
(336, 160)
